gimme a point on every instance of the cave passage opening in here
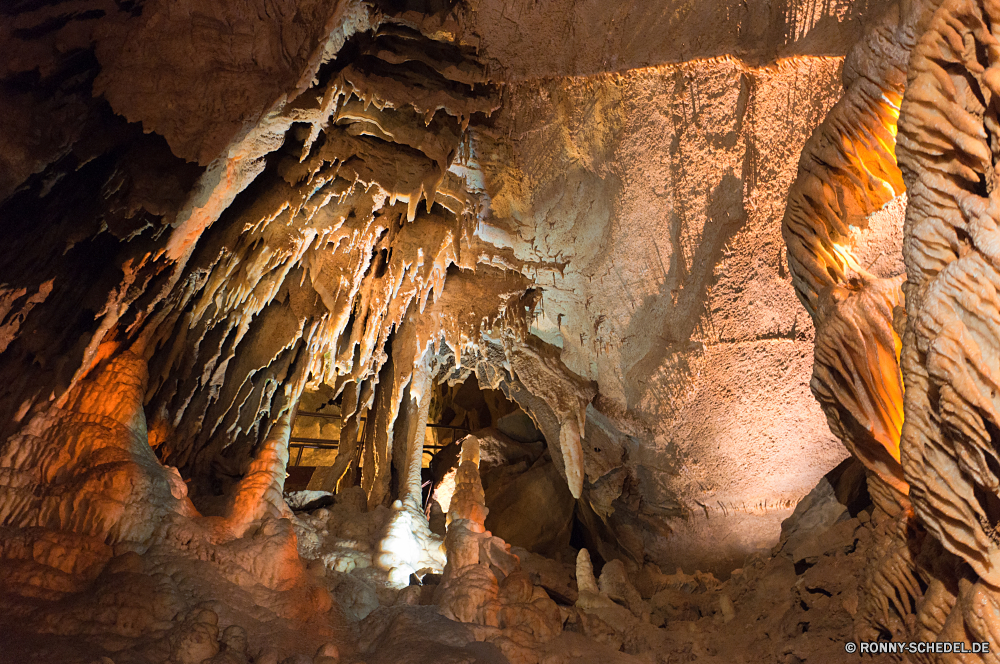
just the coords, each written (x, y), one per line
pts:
(528, 500)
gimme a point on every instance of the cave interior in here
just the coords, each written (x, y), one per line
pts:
(499, 331)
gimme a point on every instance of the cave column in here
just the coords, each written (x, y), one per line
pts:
(417, 410)
(408, 544)
(347, 448)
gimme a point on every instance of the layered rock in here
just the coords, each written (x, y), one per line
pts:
(928, 573)
(948, 443)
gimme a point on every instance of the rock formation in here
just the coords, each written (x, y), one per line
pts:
(536, 264)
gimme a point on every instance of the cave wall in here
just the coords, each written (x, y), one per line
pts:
(649, 204)
(642, 206)
(530, 40)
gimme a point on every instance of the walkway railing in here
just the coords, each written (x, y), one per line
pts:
(300, 443)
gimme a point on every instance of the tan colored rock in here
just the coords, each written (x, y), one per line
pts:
(614, 583)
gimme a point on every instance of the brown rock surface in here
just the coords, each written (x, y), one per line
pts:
(668, 286)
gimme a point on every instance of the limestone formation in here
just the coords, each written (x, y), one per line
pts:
(584, 353)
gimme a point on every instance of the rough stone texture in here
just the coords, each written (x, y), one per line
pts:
(839, 206)
(704, 314)
(531, 40)
(518, 479)
(949, 439)
(663, 279)
(931, 453)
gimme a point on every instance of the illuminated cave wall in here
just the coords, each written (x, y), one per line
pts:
(641, 206)
(663, 273)
(664, 280)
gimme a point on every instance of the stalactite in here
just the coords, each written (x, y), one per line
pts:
(557, 400)
(312, 195)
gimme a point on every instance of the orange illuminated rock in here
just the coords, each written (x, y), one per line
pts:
(847, 178)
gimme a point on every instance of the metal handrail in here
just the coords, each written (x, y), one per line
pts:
(311, 441)
(327, 444)
(330, 416)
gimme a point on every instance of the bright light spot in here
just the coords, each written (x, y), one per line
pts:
(444, 491)
(846, 256)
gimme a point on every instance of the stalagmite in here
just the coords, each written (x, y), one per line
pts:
(482, 582)
(585, 581)
(258, 494)
(469, 590)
